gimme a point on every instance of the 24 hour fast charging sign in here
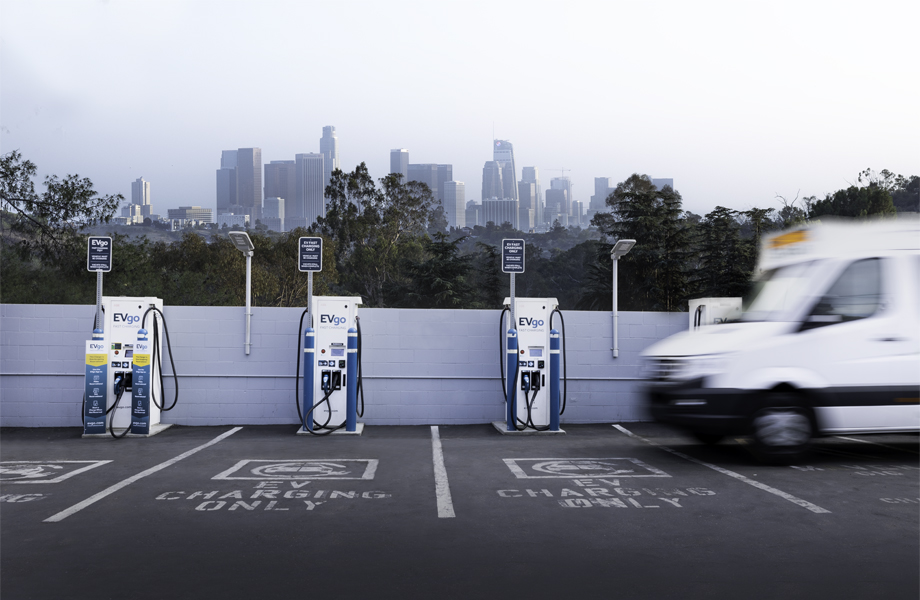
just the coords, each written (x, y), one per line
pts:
(99, 254)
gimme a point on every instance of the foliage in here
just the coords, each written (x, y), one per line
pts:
(47, 226)
(726, 267)
(854, 201)
(374, 228)
(441, 279)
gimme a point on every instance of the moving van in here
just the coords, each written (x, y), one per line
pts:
(828, 343)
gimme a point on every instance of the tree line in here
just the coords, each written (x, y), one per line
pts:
(388, 242)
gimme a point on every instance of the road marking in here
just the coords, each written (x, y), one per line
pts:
(580, 468)
(849, 439)
(761, 486)
(304, 469)
(122, 484)
(442, 487)
(32, 471)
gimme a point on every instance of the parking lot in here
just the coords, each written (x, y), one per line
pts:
(631, 510)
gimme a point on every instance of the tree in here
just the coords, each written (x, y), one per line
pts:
(47, 225)
(724, 265)
(653, 275)
(373, 229)
(907, 197)
(854, 201)
(442, 279)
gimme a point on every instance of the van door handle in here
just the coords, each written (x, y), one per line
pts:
(890, 339)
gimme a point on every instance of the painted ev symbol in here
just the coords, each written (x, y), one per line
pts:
(580, 467)
(302, 468)
(17, 471)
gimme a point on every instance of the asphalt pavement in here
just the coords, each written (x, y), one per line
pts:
(632, 510)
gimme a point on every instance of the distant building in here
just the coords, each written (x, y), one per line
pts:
(556, 206)
(492, 180)
(399, 163)
(190, 213)
(563, 183)
(280, 182)
(661, 183)
(528, 201)
(140, 195)
(455, 203)
(500, 211)
(273, 214)
(503, 153)
(329, 148)
(532, 175)
(424, 173)
(309, 202)
(239, 180)
(231, 220)
(473, 214)
(131, 213)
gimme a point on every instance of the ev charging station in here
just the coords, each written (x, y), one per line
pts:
(531, 349)
(121, 359)
(123, 372)
(331, 352)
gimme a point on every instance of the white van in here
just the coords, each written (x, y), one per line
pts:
(828, 343)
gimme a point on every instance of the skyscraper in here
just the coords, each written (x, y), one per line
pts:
(602, 189)
(528, 201)
(661, 183)
(503, 153)
(455, 203)
(329, 148)
(140, 195)
(226, 182)
(249, 181)
(563, 183)
(532, 175)
(500, 211)
(492, 180)
(423, 173)
(308, 191)
(399, 163)
(280, 181)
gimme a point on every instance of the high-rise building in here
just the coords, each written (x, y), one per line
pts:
(399, 163)
(563, 183)
(528, 200)
(473, 214)
(556, 205)
(455, 204)
(308, 191)
(329, 148)
(445, 174)
(532, 175)
(492, 180)
(424, 173)
(501, 210)
(190, 213)
(273, 213)
(503, 153)
(280, 181)
(249, 181)
(661, 183)
(140, 195)
(602, 189)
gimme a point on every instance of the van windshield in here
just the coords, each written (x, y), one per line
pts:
(777, 292)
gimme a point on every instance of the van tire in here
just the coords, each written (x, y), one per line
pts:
(782, 430)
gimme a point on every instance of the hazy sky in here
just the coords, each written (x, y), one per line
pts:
(737, 101)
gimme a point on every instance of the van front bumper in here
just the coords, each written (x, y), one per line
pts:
(702, 410)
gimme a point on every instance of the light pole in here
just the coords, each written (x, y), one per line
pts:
(619, 250)
(242, 242)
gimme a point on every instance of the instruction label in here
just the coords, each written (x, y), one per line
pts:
(95, 387)
(311, 254)
(140, 388)
(512, 256)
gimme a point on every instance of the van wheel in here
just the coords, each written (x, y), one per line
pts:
(782, 431)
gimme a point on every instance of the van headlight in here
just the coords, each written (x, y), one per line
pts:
(683, 368)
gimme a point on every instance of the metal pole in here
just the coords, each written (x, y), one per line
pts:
(248, 297)
(99, 324)
(310, 297)
(513, 326)
(616, 312)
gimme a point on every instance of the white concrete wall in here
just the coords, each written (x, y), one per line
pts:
(420, 366)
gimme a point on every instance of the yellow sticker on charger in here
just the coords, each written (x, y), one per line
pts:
(142, 360)
(97, 360)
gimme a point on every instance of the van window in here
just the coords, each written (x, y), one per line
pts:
(855, 295)
(777, 292)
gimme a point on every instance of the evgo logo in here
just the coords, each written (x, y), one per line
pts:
(126, 318)
(532, 323)
(333, 319)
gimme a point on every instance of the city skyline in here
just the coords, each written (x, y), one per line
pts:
(736, 103)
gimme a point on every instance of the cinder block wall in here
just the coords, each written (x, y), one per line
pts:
(420, 366)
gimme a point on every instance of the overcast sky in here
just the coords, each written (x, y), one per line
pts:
(736, 101)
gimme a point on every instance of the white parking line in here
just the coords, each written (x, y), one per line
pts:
(849, 439)
(761, 486)
(442, 487)
(125, 483)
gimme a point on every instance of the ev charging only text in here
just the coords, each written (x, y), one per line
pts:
(271, 495)
(608, 493)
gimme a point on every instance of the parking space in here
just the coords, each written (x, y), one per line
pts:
(634, 509)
